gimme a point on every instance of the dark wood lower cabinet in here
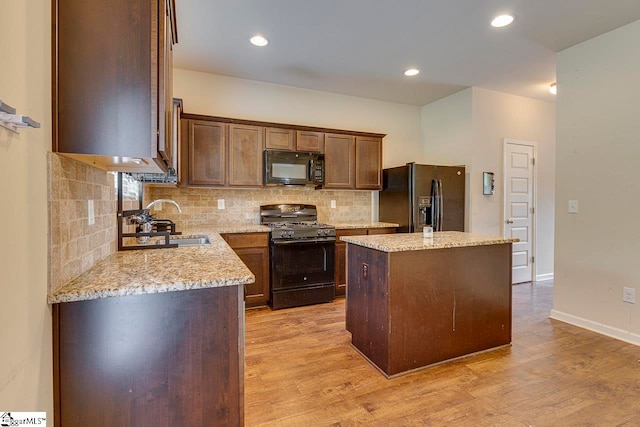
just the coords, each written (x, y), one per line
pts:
(168, 359)
(407, 310)
(253, 250)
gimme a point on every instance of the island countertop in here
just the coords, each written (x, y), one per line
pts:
(148, 271)
(402, 242)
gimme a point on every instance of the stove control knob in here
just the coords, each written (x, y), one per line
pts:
(319, 232)
(282, 233)
(290, 233)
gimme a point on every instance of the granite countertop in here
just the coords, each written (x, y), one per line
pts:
(401, 242)
(148, 271)
(345, 225)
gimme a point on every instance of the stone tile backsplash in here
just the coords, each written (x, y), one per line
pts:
(242, 206)
(74, 245)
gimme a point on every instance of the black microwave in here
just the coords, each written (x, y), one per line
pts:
(293, 168)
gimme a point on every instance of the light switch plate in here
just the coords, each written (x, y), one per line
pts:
(333, 204)
(91, 214)
(629, 295)
(220, 203)
(573, 206)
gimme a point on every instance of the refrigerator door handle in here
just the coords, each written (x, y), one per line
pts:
(440, 207)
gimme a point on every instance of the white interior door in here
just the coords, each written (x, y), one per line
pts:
(519, 205)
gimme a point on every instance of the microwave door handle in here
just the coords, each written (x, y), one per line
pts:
(310, 170)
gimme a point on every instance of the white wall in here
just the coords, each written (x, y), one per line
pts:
(598, 152)
(248, 99)
(469, 128)
(25, 319)
(497, 116)
(447, 130)
(447, 135)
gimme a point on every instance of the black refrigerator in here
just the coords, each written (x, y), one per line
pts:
(417, 195)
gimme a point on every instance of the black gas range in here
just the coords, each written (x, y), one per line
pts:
(302, 255)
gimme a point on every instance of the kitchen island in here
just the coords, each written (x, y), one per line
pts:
(414, 302)
(152, 337)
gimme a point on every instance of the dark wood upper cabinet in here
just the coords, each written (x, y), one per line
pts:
(339, 155)
(310, 141)
(112, 82)
(207, 152)
(279, 139)
(368, 163)
(353, 160)
(245, 155)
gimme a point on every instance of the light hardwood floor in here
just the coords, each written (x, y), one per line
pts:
(302, 371)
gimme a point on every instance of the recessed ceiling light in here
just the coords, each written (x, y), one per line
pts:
(553, 88)
(502, 21)
(412, 72)
(258, 40)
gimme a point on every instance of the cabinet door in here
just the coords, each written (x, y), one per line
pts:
(341, 268)
(341, 257)
(339, 158)
(166, 147)
(245, 155)
(110, 78)
(279, 139)
(256, 260)
(207, 152)
(368, 163)
(310, 141)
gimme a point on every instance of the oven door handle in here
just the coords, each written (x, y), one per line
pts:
(299, 241)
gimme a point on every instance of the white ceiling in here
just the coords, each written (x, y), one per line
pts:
(362, 47)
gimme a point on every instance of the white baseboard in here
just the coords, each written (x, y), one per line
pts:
(544, 277)
(609, 331)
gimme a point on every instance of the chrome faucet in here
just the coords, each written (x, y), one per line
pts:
(164, 201)
(145, 220)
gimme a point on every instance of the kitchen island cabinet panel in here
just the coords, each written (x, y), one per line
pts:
(440, 303)
(167, 359)
(341, 252)
(372, 299)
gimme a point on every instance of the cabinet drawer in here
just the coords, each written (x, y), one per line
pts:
(388, 230)
(351, 232)
(246, 240)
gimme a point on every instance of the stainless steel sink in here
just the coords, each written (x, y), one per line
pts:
(190, 241)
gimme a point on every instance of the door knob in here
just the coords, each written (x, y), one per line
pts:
(509, 221)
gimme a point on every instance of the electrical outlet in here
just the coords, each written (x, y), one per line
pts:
(220, 203)
(158, 206)
(333, 204)
(573, 206)
(629, 295)
(91, 212)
